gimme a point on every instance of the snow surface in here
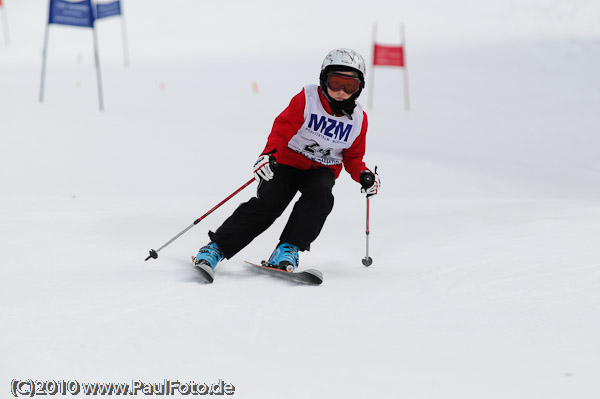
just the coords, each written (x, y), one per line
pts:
(486, 274)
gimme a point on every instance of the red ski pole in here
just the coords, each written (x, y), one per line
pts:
(154, 253)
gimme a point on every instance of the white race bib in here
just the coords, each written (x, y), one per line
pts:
(323, 137)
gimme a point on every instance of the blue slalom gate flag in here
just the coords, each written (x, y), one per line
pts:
(72, 12)
(108, 9)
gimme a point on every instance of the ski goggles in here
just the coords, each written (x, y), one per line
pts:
(337, 82)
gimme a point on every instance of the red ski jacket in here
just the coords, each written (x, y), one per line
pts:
(288, 123)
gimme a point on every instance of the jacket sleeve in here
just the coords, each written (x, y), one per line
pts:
(353, 156)
(286, 125)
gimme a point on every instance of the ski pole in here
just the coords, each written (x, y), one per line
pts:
(366, 181)
(367, 260)
(154, 253)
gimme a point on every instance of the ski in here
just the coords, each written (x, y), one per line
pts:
(204, 273)
(311, 276)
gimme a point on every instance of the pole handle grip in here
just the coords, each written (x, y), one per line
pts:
(366, 179)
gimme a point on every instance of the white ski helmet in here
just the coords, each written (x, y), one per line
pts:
(345, 57)
(342, 59)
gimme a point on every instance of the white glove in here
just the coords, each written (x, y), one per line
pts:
(262, 168)
(373, 189)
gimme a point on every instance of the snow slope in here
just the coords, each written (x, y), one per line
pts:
(486, 273)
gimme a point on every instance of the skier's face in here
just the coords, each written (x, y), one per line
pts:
(340, 95)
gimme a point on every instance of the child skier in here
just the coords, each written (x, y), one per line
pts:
(322, 128)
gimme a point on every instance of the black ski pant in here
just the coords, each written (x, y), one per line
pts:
(252, 218)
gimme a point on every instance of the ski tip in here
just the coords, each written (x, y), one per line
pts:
(314, 276)
(205, 273)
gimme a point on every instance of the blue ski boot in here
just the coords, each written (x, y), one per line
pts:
(285, 257)
(207, 259)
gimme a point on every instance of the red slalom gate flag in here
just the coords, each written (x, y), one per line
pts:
(0, 2)
(388, 55)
